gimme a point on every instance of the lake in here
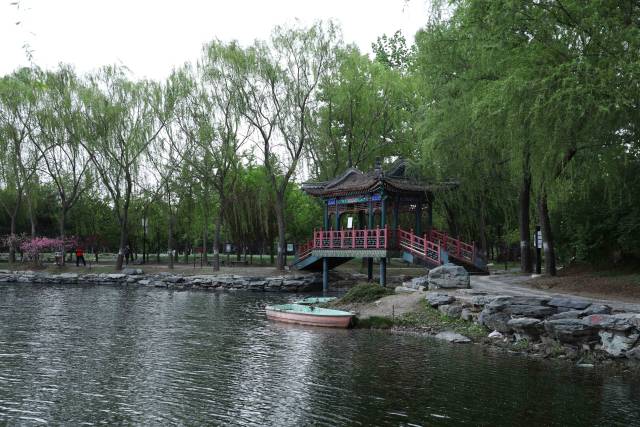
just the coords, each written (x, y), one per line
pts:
(116, 355)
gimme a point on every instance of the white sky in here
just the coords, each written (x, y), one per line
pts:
(152, 37)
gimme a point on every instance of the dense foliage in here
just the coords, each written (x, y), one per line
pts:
(532, 106)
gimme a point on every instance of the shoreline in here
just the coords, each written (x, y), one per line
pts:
(292, 283)
(586, 335)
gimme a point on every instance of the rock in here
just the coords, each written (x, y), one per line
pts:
(527, 327)
(571, 303)
(604, 321)
(634, 353)
(617, 343)
(466, 314)
(539, 311)
(450, 310)
(419, 283)
(497, 321)
(68, 277)
(453, 337)
(132, 271)
(495, 335)
(404, 290)
(291, 285)
(569, 330)
(596, 309)
(115, 276)
(435, 299)
(571, 314)
(482, 300)
(500, 302)
(449, 276)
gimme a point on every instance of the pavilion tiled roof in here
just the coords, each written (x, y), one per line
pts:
(353, 181)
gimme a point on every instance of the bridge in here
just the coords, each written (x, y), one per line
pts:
(430, 249)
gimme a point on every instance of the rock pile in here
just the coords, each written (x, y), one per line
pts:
(574, 323)
(136, 277)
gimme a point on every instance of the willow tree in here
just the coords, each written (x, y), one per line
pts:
(59, 130)
(278, 83)
(123, 118)
(18, 160)
(367, 111)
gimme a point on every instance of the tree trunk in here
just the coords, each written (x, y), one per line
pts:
(524, 216)
(170, 239)
(12, 246)
(63, 216)
(547, 237)
(32, 218)
(483, 230)
(216, 242)
(281, 250)
(124, 237)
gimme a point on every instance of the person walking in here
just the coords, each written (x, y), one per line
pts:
(127, 254)
(80, 256)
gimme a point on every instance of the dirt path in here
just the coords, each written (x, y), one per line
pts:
(514, 284)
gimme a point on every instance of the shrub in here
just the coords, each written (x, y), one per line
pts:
(365, 293)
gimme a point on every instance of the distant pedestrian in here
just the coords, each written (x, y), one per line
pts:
(127, 254)
(80, 256)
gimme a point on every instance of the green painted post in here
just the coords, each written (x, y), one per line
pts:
(394, 232)
(383, 260)
(325, 275)
(325, 215)
(370, 260)
(383, 271)
(337, 216)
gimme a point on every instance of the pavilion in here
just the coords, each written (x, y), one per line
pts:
(357, 206)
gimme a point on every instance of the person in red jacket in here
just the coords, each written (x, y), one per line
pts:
(80, 256)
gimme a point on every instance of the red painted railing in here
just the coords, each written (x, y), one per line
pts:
(455, 247)
(376, 238)
(304, 250)
(419, 246)
(426, 247)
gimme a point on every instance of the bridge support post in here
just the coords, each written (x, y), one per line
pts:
(325, 274)
(370, 260)
(383, 271)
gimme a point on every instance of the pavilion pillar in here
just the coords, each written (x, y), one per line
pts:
(396, 210)
(325, 215)
(429, 215)
(325, 274)
(383, 260)
(337, 216)
(418, 225)
(370, 260)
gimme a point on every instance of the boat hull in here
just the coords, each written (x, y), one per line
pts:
(309, 319)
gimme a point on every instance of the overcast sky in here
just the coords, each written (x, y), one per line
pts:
(152, 37)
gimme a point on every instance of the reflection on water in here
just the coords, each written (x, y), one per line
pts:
(113, 355)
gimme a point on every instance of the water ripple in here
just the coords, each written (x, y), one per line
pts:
(108, 355)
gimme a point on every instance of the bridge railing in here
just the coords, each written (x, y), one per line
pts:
(419, 246)
(376, 238)
(304, 250)
(455, 247)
